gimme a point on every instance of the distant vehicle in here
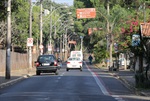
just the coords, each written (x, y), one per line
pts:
(46, 64)
(59, 61)
(74, 63)
(78, 54)
(122, 60)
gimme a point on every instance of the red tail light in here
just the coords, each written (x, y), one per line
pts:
(55, 63)
(37, 64)
(68, 62)
(80, 62)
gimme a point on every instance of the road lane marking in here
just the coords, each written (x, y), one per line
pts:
(59, 78)
(98, 81)
(62, 74)
(114, 95)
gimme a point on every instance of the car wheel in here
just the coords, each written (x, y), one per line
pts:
(37, 72)
(80, 68)
(67, 69)
(56, 73)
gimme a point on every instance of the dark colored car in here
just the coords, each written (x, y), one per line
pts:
(46, 64)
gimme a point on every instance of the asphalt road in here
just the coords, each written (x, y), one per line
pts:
(91, 84)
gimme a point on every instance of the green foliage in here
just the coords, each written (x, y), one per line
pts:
(79, 4)
(100, 52)
(20, 22)
(121, 12)
(35, 23)
(78, 26)
(2, 10)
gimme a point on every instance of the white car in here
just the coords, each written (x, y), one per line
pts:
(74, 63)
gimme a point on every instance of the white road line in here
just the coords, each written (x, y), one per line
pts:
(62, 74)
(99, 83)
(117, 98)
(59, 78)
(114, 95)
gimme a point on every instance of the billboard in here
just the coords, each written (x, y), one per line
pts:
(145, 29)
(86, 13)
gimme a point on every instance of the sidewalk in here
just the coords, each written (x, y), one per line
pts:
(16, 75)
(127, 77)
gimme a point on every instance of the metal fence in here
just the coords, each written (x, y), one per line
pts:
(18, 61)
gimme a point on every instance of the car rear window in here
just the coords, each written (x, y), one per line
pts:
(76, 55)
(45, 58)
(74, 59)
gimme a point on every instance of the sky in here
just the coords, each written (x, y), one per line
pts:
(69, 2)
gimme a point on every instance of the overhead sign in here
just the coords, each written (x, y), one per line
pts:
(86, 13)
(145, 29)
(72, 42)
(29, 41)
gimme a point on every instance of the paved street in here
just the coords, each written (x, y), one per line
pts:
(92, 84)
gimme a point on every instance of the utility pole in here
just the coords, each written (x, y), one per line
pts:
(8, 47)
(141, 54)
(60, 47)
(63, 36)
(51, 29)
(144, 12)
(81, 37)
(108, 38)
(41, 25)
(30, 34)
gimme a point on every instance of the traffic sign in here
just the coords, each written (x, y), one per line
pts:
(29, 41)
(86, 13)
(145, 29)
(41, 46)
(49, 48)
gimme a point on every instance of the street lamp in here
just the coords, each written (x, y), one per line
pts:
(55, 28)
(51, 24)
(50, 45)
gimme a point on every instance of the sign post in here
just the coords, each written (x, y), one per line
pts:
(29, 41)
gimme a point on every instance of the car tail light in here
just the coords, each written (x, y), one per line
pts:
(68, 62)
(80, 62)
(37, 64)
(55, 63)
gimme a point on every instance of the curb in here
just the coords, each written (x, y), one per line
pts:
(129, 86)
(11, 82)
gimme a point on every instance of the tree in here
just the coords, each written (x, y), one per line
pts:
(2, 10)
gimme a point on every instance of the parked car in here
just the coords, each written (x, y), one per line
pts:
(74, 63)
(46, 64)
